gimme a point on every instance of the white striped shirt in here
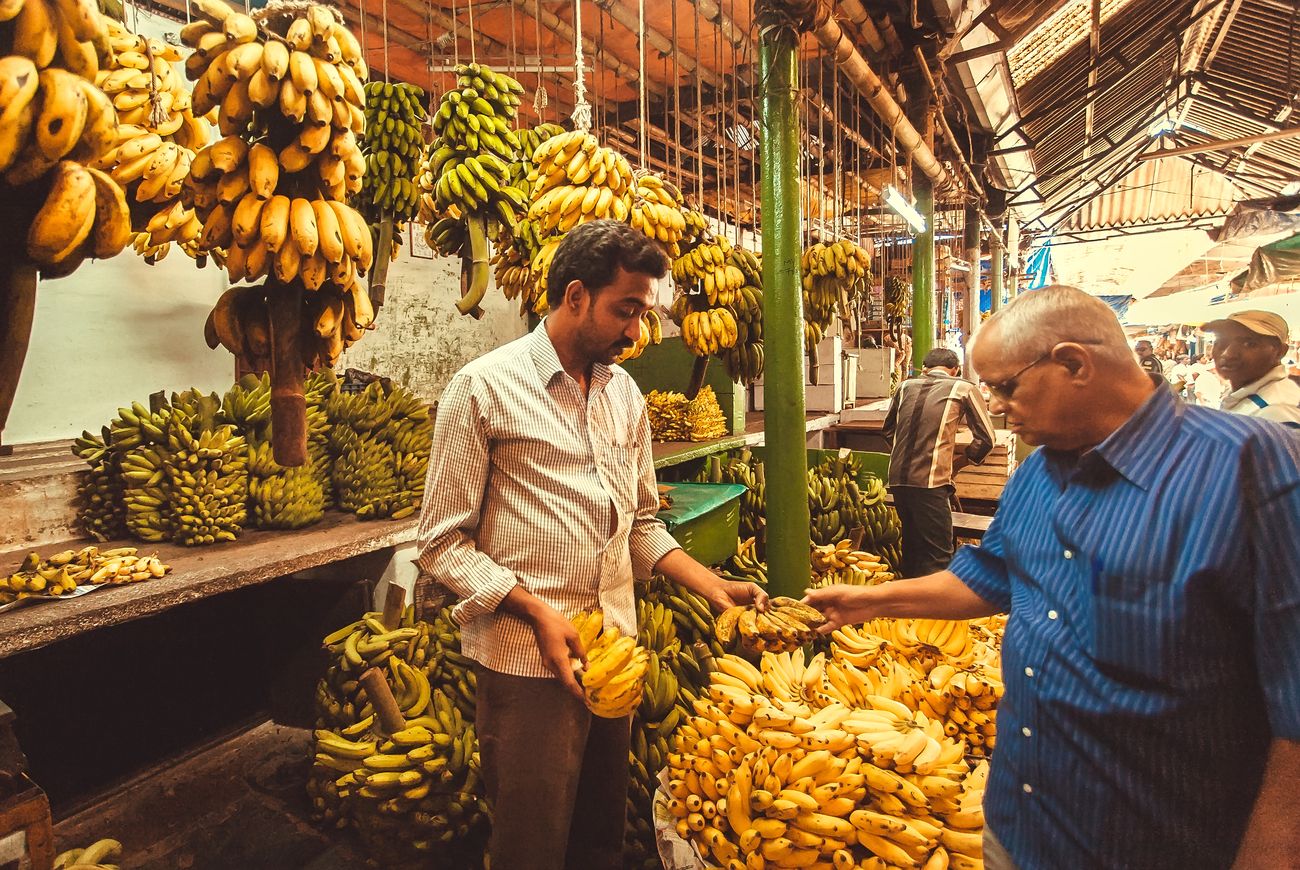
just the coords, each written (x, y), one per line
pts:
(532, 483)
(1273, 397)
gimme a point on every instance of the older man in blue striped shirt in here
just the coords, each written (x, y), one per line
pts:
(1149, 556)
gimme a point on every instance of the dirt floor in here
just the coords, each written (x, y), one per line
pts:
(236, 805)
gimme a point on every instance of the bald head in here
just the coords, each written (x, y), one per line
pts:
(1058, 366)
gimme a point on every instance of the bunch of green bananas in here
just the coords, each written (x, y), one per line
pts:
(530, 138)
(742, 467)
(447, 668)
(744, 359)
(380, 439)
(838, 504)
(100, 511)
(282, 498)
(393, 143)
(836, 276)
(438, 806)
(898, 297)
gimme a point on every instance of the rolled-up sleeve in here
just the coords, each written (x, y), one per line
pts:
(453, 501)
(649, 539)
(1275, 542)
(984, 569)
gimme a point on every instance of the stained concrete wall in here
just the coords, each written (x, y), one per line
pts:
(118, 330)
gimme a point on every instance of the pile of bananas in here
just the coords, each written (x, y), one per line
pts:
(786, 625)
(673, 417)
(100, 511)
(54, 124)
(838, 503)
(100, 855)
(380, 439)
(836, 276)
(271, 193)
(442, 809)
(61, 573)
(746, 565)
(658, 210)
(744, 359)
(652, 332)
(614, 675)
(743, 467)
(777, 769)
(157, 136)
(279, 497)
(393, 143)
(841, 563)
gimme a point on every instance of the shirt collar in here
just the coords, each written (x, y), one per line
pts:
(1253, 387)
(548, 363)
(1131, 448)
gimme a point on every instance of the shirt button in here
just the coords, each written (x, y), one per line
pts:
(1028, 789)
(1052, 614)
(1069, 554)
(1025, 731)
(1029, 672)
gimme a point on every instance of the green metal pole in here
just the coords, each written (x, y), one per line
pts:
(922, 273)
(995, 268)
(786, 465)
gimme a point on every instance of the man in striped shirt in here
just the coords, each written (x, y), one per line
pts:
(923, 418)
(1248, 351)
(1152, 656)
(540, 503)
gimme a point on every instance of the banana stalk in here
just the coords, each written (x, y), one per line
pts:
(698, 373)
(17, 308)
(475, 272)
(288, 375)
(379, 272)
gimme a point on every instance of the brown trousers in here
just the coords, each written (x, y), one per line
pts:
(556, 776)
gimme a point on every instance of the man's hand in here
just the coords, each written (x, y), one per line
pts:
(559, 644)
(841, 605)
(729, 593)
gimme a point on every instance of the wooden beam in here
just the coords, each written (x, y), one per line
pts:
(1223, 144)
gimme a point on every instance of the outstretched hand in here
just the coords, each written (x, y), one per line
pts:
(841, 605)
(730, 593)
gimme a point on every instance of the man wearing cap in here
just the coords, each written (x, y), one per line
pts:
(1248, 351)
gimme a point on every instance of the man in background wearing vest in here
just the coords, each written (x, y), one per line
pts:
(922, 420)
(1248, 351)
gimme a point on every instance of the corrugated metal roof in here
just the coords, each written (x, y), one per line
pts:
(1063, 29)
(1159, 191)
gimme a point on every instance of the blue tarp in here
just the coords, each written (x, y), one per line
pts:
(1039, 267)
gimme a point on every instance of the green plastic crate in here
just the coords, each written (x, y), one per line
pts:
(705, 519)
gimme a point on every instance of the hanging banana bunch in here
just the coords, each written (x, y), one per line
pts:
(658, 210)
(709, 283)
(836, 277)
(157, 136)
(393, 143)
(744, 360)
(465, 175)
(652, 332)
(55, 124)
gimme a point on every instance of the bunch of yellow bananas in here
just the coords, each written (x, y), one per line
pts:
(657, 209)
(614, 675)
(744, 360)
(530, 138)
(707, 268)
(667, 412)
(61, 573)
(840, 563)
(786, 625)
(708, 331)
(775, 770)
(99, 855)
(575, 179)
(836, 275)
(291, 105)
(651, 333)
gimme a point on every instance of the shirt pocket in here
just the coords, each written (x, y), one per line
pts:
(1136, 628)
(622, 475)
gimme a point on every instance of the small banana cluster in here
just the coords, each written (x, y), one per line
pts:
(271, 193)
(657, 210)
(652, 332)
(840, 563)
(673, 417)
(157, 136)
(393, 143)
(530, 138)
(100, 512)
(776, 768)
(61, 573)
(99, 855)
(380, 440)
(746, 565)
(707, 268)
(614, 674)
(744, 359)
(836, 276)
(707, 331)
(787, 624)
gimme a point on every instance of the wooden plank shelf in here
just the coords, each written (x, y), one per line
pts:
(669, 453)
(196, 573)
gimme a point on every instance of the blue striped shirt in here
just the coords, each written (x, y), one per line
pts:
(1153, 648)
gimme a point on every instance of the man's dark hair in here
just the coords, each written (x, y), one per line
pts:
(594, 252)
(941, 358)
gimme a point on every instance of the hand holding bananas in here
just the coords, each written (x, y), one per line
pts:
(785, 625)
(613, 666)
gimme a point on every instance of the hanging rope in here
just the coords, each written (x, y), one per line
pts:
(540, 98)
(385, 41)
(643, 112)
(581, 108)
(455, 35)
(473, 43)
(699, 113)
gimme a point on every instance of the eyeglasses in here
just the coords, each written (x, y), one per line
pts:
(1003, 390)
